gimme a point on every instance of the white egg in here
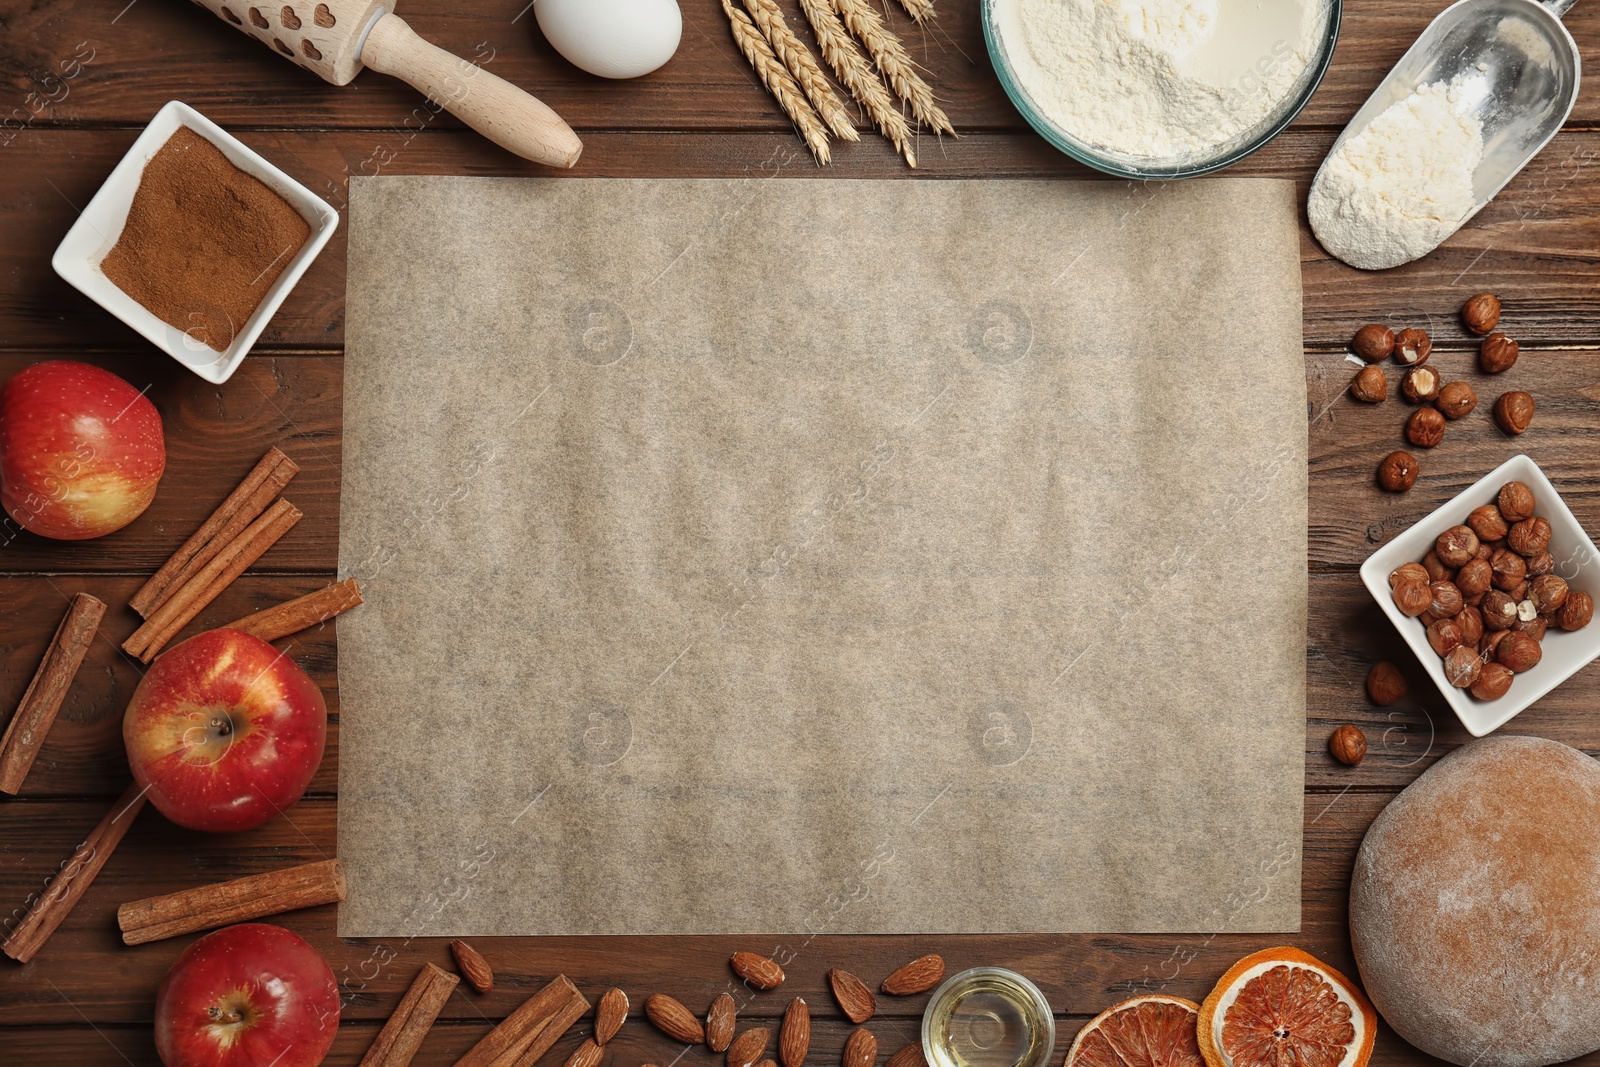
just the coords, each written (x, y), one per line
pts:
(612, 38)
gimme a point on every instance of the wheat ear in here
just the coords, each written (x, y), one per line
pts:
(857, 75)
(893, 59)
(778, 82)
(919, 9)
(797, 57)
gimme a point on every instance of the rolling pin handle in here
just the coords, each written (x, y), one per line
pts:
(508, 116)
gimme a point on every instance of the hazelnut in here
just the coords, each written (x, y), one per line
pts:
(1481, 313)
(1409, 572)
(1509, 569)
(1348, 745)
(1516, 502)
(1513, 412)
(1499, 611)
(1425, 428)
(1540, 564)
(1398, 472)
(1420, 385)
(1519, 651)
(1486, 549)
(1447, 601)
(1518, 592)
(1491, 641)
(1548, 593)
(1527, 611)
(1475, 579)
(1371, 386)
(1463, 667)
(1385, 684)
(1457, 546)
(1528, 537)
(1497, 354)
(1471, 624)
(1576, 612)
(1374, 343)
(1437, 571)
(1534, 627)
(1412, 347)
(1474, 600)
(1456, 400)
(1494, 682)
(1413, 598)
(1487, 523)
(1445, 636)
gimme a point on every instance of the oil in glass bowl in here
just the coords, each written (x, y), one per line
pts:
(988, 1017)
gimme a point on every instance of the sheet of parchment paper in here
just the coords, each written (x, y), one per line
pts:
(808, 556)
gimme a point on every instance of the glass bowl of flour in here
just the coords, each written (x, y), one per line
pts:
(1160, 88)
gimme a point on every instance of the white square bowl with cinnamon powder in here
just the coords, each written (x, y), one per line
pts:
(213, 327)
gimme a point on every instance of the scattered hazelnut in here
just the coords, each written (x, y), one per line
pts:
(1471, 624)
(1409, 572)
(1413, 598)
(1509, 569)
(1385, 684)
(1494, 682)
(1398, 472)
(1516, 502)
(1491, 641)
(1371, 386)
(1497, 354)
(1456, 400)
(1540, 564)
(1463, 667)
(1348, 745)
(1475, 579)
(1420, 385)
(1513, 412)
(1487, 523)
(1528, 537)
(1412, 347)
(1498, 609)
(1527, 611)
(1445, 636)
(1548, 593)
(1374, 343)
(1457, 546)
(1447, 600)
(1481, 313)
(1486, 548)
(1576, 612)
(1519, 651)
(1534, 627)
(1518, 592)
(1425, 428)
(1437, 571)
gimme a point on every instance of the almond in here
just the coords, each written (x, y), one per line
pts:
(588, 1054)
(748, 1047)
(674, 1020)
(609, 1015)
(794, 1039)
(918, 976)
(910, 1056)
(861, 1050)
(720, 1021)
(473, 967)
(759, 971)
(854, 998)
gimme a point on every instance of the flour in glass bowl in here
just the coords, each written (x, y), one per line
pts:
(1169, 79)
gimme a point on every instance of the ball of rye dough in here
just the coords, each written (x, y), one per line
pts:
(1475, 906)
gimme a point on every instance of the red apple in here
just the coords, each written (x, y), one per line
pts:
(224, 732)
(80, 450)
(251, 995)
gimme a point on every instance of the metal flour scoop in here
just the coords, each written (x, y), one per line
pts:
(1518, 69)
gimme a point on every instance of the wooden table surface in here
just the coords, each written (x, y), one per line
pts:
(82, 79)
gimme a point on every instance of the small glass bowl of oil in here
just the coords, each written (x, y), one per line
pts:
(988, 1017)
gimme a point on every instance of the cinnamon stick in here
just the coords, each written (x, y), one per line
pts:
(209, 906)
(73, 879)
(181, 608)
(42, 700)
(301, 613)
(241, 508)
(530, 1031)
(402, 1035)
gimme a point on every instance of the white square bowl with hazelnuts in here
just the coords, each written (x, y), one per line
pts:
(1518, 623)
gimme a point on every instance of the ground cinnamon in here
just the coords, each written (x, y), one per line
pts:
(204, 241)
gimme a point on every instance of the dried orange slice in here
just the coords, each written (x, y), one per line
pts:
(1149, 1031)
(1282, 1006)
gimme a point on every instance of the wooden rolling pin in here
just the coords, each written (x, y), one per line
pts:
(337, 38)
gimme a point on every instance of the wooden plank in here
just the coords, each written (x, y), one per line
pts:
(152, 53)
(1535, 245)
(1078, 973)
